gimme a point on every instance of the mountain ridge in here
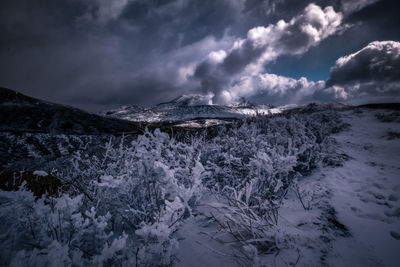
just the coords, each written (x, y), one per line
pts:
(21, 113)
(190, 107)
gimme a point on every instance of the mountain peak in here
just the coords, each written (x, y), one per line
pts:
(243, 103)
(190, 100)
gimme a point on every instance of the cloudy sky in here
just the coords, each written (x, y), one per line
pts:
(97, 54)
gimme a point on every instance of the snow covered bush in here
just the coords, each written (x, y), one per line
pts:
(36, 150)
(254, 164)
(267, 152)
(133, 194)
(53, 231)
(134, 180)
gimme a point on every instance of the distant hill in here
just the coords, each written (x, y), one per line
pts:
(196, 111)
(21, 113)
(188, 107)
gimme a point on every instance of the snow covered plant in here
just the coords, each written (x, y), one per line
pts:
(254, 164)
(267, 152)
(120, 206)
(55, 232)
(148, 186)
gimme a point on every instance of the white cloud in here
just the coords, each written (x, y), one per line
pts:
(224, 70)
(217, 56)
(296, 36)
(272, 88)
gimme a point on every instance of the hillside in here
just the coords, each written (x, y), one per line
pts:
(21, 113)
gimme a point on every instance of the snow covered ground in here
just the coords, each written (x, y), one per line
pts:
(351, 215)
(366, 193)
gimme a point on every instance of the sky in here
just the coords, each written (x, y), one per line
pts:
(99, 54)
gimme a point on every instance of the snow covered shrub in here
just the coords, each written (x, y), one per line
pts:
(122, 205)
(133, 181)
(52, 231)
(147, 186)
(266, 151)
(253, 165)
(42, 151)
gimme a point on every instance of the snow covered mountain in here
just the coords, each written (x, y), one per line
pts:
(197, 111)
(189, 107)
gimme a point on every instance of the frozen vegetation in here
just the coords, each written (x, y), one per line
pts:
(266, 191)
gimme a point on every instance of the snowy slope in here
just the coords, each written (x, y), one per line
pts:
(366, 192)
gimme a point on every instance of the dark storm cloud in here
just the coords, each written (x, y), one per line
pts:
(98, 52)
(94, 52)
